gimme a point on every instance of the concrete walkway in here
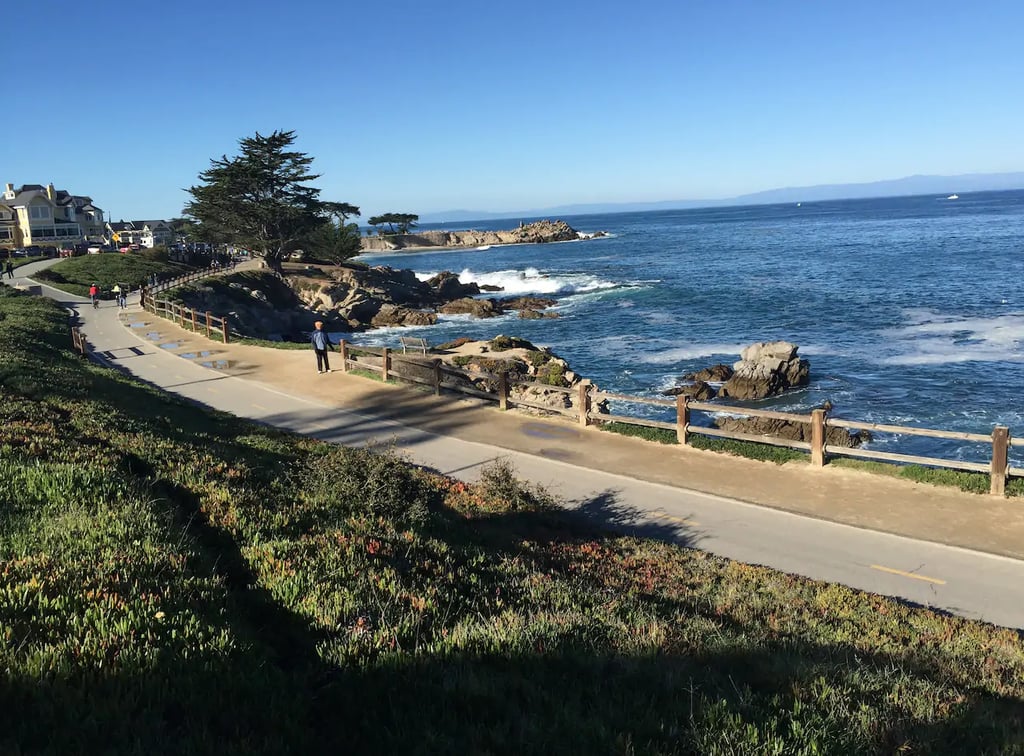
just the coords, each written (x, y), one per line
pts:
(934, 546)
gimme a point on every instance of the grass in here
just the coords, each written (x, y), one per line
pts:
(972, 482)
(174, 580)
(76, 274)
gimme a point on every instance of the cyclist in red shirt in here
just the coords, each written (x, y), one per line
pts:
(94, 294)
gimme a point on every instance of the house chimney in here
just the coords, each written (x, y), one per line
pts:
(49, 191)
(9, 191)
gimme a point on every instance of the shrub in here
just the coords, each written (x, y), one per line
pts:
(499, 484)
(375, 482)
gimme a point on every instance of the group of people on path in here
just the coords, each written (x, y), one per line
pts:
(120, 295)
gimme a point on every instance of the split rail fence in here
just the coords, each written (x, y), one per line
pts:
(584, 397)
(186, 317)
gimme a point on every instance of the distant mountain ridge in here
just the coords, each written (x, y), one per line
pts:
(908, 185)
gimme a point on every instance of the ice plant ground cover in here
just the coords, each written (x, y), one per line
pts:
(174, 580)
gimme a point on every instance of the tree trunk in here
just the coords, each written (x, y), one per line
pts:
(273, 262)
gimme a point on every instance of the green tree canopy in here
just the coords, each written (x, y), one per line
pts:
(397, 223)
(261, 199)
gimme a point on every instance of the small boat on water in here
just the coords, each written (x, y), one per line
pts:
(953, 196)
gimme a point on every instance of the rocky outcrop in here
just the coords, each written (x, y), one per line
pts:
(381, 296)
(699, 391)
(522, 361)
(539, 232)
(715, 373)
(788, 429)
(766, 369)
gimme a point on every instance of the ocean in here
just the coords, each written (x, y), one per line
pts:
(910, 309)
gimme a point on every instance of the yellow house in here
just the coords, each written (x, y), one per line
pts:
(35, 214)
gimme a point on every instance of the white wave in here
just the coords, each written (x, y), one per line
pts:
(936, 339)
(694, 351)
(532, 281)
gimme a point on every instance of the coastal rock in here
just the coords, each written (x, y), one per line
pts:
(716, 373)
(536, 314)
(795, 431)
(394, 315)
(447, 286)
(480, 308)
(766, 369)
(539, 232)
(699, 391)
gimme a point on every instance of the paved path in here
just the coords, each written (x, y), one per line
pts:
(580, 466)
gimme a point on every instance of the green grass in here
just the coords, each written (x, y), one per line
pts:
(268, 344)
(179, 581)
(76, 274)
(750, 450)
(972, 482)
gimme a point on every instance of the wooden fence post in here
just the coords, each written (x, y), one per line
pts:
(194, 326)
(682, 417)
(209, 323)
(503, 390)
(343, 348)
(584, 402)
(385, 364)
(818, 438)
(437, 376)
(1000, 453)
(224, 329)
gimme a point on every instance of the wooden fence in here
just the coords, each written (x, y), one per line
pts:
(78, 342)
(184, 316)
(584, 396)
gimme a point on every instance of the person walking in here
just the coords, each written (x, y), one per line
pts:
(94, 295)
(122, 298)
(321, 343)
(116, 291)
(10, 269)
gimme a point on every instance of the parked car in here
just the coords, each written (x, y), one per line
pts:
(49, 252)
(68, 252)
(94, 249)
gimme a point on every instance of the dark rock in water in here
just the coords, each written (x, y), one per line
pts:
(491, 287)
(699, 391)
(481, 308)
(536, 314)
(447, 286)
(766, 369)
(526, 303)
(716, 373)
(795, 431)
(392, 315)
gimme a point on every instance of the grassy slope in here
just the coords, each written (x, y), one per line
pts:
(76, 274)
(176, 581)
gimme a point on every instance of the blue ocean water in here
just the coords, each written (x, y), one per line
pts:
(910, 309)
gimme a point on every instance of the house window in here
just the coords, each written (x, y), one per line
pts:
(39, 212)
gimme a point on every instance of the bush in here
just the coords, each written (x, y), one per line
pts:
(374, 482)
(499, 484)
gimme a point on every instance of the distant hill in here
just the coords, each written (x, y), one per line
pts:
(901, 187)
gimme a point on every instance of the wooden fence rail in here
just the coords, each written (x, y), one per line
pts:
(188, 318)
(390, 365)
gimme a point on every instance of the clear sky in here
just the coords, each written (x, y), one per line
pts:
(423, 107)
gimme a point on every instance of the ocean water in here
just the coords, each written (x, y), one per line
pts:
(910, 310)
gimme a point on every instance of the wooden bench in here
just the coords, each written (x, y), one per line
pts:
(413, 342)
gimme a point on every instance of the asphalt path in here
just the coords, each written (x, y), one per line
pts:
(968, 583)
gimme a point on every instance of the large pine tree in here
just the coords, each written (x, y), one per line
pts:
(260, 199)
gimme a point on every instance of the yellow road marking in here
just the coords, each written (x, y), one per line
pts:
(673, 518)
(915, 576)
(260, 406)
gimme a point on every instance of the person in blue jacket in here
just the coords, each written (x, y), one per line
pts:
(321, 343)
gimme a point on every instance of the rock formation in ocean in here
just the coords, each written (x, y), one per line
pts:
(766, 369)
(538, 232)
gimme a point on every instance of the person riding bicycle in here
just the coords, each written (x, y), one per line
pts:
(94, 295)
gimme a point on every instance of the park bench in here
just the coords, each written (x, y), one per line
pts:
(413, 342)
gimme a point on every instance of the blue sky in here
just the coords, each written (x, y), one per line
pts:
(420, 107)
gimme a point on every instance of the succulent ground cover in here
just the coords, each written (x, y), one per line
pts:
(174, 580)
